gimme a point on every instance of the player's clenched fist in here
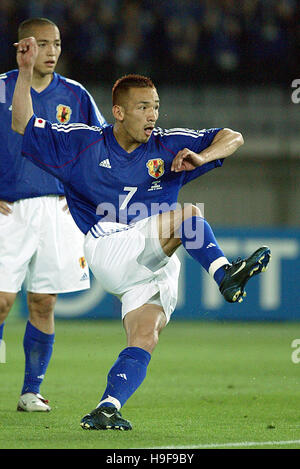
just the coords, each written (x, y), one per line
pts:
(27, 51)
(186, 160)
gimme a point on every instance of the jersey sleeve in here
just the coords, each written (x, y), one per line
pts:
(55, 148)
(94, 116)
(204, 140)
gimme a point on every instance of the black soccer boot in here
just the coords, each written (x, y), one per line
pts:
(240, 271)
(105, 418)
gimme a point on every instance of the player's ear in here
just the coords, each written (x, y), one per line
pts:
(118, 112)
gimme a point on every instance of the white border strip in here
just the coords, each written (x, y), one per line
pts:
(234, 444)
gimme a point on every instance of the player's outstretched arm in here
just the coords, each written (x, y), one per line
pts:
(22, 111)
(224, 144)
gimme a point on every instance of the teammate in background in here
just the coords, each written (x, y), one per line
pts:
(121, 185)
(38, 237)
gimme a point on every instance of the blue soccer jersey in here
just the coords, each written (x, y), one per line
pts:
(104, 182)
(63, 101)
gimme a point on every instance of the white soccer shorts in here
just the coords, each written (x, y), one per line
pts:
(131, 264)
(41, 245)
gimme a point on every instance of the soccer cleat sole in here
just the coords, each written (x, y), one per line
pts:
(263, 264)
(261, 267)
(20, 409)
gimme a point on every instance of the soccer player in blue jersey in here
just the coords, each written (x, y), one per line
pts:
(38, 237)
(121, 184)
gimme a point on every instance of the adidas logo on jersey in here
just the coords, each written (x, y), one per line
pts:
(84, 277)
(105, 163)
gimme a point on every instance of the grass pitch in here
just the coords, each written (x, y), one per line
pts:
(209, 384)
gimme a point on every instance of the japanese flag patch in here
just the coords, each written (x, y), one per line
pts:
(39, 122)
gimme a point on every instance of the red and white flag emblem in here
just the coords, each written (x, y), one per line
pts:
(39, 122)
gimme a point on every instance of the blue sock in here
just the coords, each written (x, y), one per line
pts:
(125, 376)
(199, 241)
(38, 350)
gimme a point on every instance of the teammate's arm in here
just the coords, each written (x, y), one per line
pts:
(225, 142)
(22, 110)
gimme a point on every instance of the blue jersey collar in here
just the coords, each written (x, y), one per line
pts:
(50, 87)
(120, 151)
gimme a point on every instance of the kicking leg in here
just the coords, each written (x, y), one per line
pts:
(189, 228)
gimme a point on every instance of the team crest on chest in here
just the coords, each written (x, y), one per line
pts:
(156, 167)
(63, 113)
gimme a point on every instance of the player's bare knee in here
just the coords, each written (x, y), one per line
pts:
(143, 336)
(178, 216)
(41, 305)
(5, 306)
(143, 326)
(147, 340)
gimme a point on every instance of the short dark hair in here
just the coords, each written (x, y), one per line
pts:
(126, 82)
(26, 26)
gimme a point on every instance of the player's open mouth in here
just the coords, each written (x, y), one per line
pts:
(50, 63)
(148, 130)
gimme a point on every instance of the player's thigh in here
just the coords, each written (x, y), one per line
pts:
(143, 326)
(113, 259)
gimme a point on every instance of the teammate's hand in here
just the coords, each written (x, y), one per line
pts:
(5, 207)
(186, 160)
(27, 52)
